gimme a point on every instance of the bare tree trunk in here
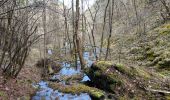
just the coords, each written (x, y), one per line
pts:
(111, 8)
(66, 25)
(83, 30)
(45, 31)
(139, 33)
(74, 38)
(85, 21)
(79, 49)
(93, 27)
(104, 23)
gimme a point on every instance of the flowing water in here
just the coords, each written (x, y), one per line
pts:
(47, 93)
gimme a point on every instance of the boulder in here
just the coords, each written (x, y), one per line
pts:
(102, 74)
(116, 78)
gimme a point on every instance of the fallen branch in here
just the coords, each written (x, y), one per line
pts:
(159, 91)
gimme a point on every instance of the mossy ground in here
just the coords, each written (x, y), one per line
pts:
(79, 88)
(123, 80)
(152, 49)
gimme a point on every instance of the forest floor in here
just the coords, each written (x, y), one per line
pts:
(20, 88)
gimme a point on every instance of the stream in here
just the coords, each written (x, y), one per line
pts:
(46, 93)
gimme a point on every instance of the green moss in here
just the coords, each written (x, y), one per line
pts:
(143, 74)
(167, 97)
(103, 72)
(79, 88)
(103, 65)
(165, 73)
(167, 26)
(97, 73)
(165, 32)
(150, 55)
(3, 95)
(140, 57)
(132, 72)
(165, 29)
(135, 50)
(125, 97)
(165, 63)
(124, 69)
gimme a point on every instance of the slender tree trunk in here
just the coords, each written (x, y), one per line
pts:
(66, 25)
(83, 30)
(74, 38)
(111, 8)
(79, 49)
(45, 31)
(104, 24)
(166, 7)
(93, 27)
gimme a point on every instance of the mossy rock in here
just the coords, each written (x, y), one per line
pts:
(103, 72)
(79, 88)
(113, 77)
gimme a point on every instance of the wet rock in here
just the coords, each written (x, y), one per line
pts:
(55, 78)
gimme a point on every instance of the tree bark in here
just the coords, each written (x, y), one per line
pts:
(104, 24)
(111, 8)
(79, 49)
